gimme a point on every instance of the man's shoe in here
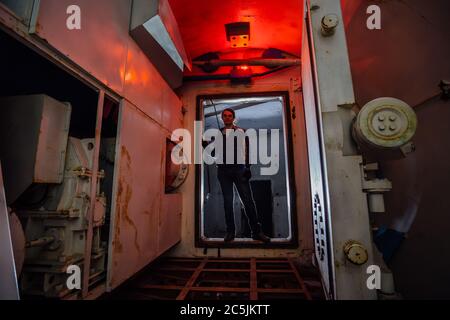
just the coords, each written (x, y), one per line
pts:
(229, 237)
(260, 236)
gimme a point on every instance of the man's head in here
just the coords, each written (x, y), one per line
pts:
(228, 117)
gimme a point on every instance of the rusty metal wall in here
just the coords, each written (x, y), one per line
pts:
(145, 222)
(103, 51)
(104, 33)
(149, 111)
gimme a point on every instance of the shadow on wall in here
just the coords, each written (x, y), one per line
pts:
(407, 59)
(419, 205)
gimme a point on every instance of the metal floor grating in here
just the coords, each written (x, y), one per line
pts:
(223, 279)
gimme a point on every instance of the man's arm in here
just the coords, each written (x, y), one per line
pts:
(247, 152)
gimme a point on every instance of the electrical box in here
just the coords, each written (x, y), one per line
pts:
(33, 141)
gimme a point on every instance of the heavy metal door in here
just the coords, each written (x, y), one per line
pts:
(317, 164)
(340, 212)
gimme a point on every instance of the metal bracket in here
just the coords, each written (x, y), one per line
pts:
(374, 187)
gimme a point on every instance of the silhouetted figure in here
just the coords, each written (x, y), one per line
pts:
(238, 175)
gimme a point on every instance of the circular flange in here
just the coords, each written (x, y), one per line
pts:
(386, 123)
(176, 174)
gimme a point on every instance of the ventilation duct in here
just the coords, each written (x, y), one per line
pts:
(155, 30)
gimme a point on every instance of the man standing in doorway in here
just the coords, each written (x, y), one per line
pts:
(230, 174)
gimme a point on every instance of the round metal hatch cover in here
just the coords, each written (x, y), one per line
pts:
(386, 123)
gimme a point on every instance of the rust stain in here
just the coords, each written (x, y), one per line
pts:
(158, 198)
(122, 204)
(128, 219)
(117, 245)
(162, 168)
(127, 157)
(126, 193)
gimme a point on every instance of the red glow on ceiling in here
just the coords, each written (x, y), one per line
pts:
(273, 24)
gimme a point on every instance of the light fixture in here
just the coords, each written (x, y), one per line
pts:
(241, 74)
(238, 34)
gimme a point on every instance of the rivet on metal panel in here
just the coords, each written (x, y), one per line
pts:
(329, 24)
(355, 252)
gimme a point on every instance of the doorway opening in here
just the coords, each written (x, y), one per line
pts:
(265, 119)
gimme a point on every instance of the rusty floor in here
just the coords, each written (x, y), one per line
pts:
(223, 279)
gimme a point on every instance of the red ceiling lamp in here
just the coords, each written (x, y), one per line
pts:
(241, 74)
(238, 34)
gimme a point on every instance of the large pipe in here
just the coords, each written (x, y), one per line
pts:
(219, 77)
(270, 63)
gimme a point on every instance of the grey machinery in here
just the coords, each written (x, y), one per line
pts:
(47, 178)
